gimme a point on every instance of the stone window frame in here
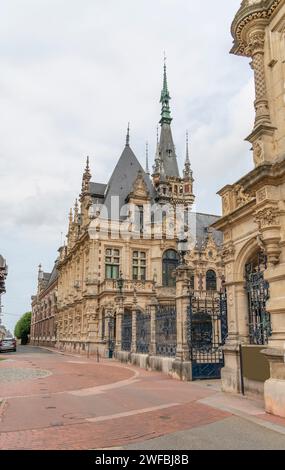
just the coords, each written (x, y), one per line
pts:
(139, 263)
(112, 262)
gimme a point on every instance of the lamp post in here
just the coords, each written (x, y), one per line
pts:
(183, 248)
(120, 312)
(120, 283)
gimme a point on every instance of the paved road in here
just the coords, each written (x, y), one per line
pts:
(53, 401)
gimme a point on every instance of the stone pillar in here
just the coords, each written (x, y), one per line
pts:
(119, 316)
(262, 137)
(256, 50)
(152, 346)
(182, 366)
(182, 303)
(237, 312)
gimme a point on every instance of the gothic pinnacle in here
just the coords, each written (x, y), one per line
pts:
(128, 136)
(165, 99)
(146, 160)
(187, 166)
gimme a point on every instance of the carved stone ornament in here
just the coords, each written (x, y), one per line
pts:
(228, 251)
(258, 152)
(140, 189)
(241, 197)
(267, 217)
(256, 43)
(226, 204)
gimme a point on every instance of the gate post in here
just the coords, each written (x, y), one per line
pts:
(182, 367)
(152, 346)
(119, 316)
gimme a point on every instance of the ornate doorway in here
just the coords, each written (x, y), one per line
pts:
(258, 294)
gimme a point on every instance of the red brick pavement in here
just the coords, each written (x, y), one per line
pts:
(66, 375)
(114, 432)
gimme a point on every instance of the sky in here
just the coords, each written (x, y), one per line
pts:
(73, 73)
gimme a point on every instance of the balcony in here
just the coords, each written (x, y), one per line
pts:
(110, 285)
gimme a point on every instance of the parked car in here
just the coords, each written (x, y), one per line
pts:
(8, 344)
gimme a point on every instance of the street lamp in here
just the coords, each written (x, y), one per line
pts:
(120, 283)
(183, 249)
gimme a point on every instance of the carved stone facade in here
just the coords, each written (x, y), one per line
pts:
(3, 275)
(103, 248)
(254, 221)
(44, 309)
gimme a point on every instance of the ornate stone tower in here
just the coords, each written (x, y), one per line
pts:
(170, 187)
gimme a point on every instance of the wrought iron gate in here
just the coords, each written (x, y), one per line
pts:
(207, 330)
(143, 332)
(127, 331)
(166, 338)
(258, 294)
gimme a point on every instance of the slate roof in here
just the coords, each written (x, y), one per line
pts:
(203, 224)
(53, 275)
(97, 189)
(167, 153)
(123, 178)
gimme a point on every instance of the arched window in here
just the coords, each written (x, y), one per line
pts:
(169, 264)
(211, 280)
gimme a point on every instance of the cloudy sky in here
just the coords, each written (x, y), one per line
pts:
(73, 73)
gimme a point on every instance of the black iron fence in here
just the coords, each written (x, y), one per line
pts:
(166, 330)
(143, 332)
(127, 331)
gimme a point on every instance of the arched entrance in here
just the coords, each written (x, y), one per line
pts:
(170, 262)
(258, 294)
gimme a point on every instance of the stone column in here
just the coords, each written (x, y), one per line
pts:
(182, 366)
(182, 303)
(152, 346)
(262, 137)
(119, 316)
(255, 49)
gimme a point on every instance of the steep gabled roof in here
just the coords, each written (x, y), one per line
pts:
(167, 153)
(123, 178)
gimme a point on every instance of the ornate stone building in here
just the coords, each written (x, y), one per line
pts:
(44, 308)
(253, 221)
(3, 275)
(116, 264)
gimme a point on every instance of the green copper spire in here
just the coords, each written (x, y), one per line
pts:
(165, 99)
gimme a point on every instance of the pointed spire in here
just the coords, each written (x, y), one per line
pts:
(157, 160)
(128, 136)
(40, 272)
(86, 178)
(165, 99)
(70, 217)
(76, 211)
(187, 167)
(146, 159)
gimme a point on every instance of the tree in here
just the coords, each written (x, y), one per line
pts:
(23, 327)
